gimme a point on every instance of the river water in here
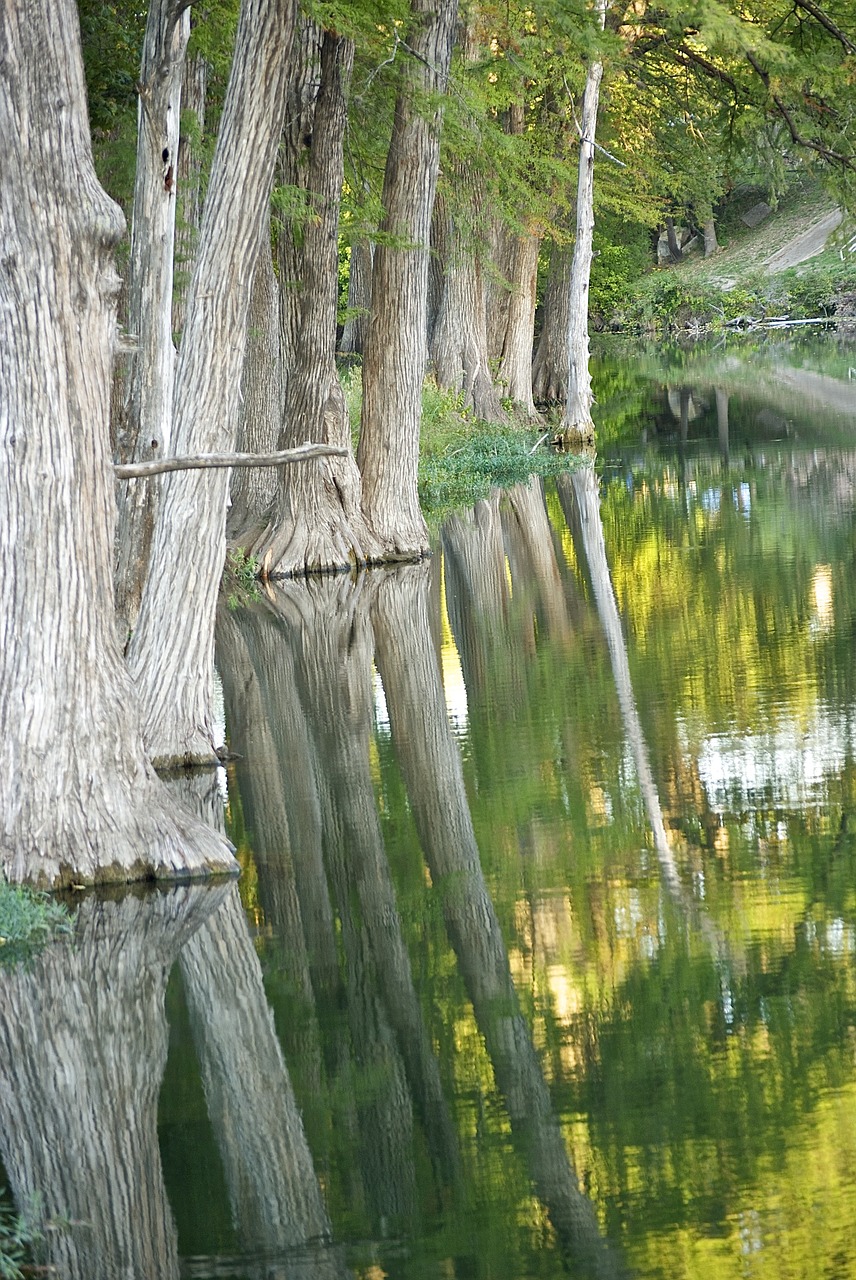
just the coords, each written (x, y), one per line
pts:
(542, 959)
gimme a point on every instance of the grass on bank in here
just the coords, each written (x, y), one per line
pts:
(462, 458)
(27, 922)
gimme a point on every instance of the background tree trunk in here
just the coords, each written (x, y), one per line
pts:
(317, 522)
(550, 365)
(80, 802)
(172, 650)
(148, 391)
(459, 350)
(394, 364)
(515, 358)
(353, 341)
(577, 423)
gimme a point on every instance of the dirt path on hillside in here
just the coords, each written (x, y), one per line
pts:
(806, 245)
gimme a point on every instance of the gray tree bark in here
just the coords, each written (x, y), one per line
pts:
(171, 653)
(515, 357)
(83, 1047)
(147, 415)
(80, 802)
(577, 424)
(353, 341)
(194, 94)
(550, 365)
(253, 489)
(396, 347)
(459, 350)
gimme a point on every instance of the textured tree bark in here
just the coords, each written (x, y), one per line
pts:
(194, 94)
(304, 82)
(396, 347)
(711, 245)
(80, 802)
(515, 359)
(577, 424)
(171, 653)
(253, 491)
(459, 351)
(275, 1197)
(550, 365)
(431, 766)
(353, 341)
(317, 523)
(83, 1046)
(147, 415)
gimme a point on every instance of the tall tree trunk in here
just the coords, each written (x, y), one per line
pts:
(515, 358)
(253, 489)
(711, 244)
(675, 252)
(172, 650)
(83, 1047)
(550, 365)
(431, 766)
(511, 298)
(304, 83)
(317, 522)
(353, 341)
(80, 801)
(459, 351)
(394, 364)
(194, 94)
(577, 423)
(148, 392)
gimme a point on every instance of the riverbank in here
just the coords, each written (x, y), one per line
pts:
(797, 264)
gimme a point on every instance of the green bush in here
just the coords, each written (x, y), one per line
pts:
(485, 458)
(27, 921)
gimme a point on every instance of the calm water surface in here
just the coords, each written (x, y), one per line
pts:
(542, 961)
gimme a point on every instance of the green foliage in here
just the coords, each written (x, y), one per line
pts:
(18, 1233)
(622, 255)
(477, 459)
(240, 578)
(812, 290)
(27, 922)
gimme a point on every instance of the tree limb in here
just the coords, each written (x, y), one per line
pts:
(826, 22)
(205, 461)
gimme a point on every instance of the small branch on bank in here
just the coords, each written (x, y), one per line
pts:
(206, 461)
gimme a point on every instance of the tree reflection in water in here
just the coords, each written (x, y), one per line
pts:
(83, 1045)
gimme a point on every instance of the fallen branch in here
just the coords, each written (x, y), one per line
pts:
(776, 322)
(203, 461)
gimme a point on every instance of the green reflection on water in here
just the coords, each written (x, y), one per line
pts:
(574, 1055)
